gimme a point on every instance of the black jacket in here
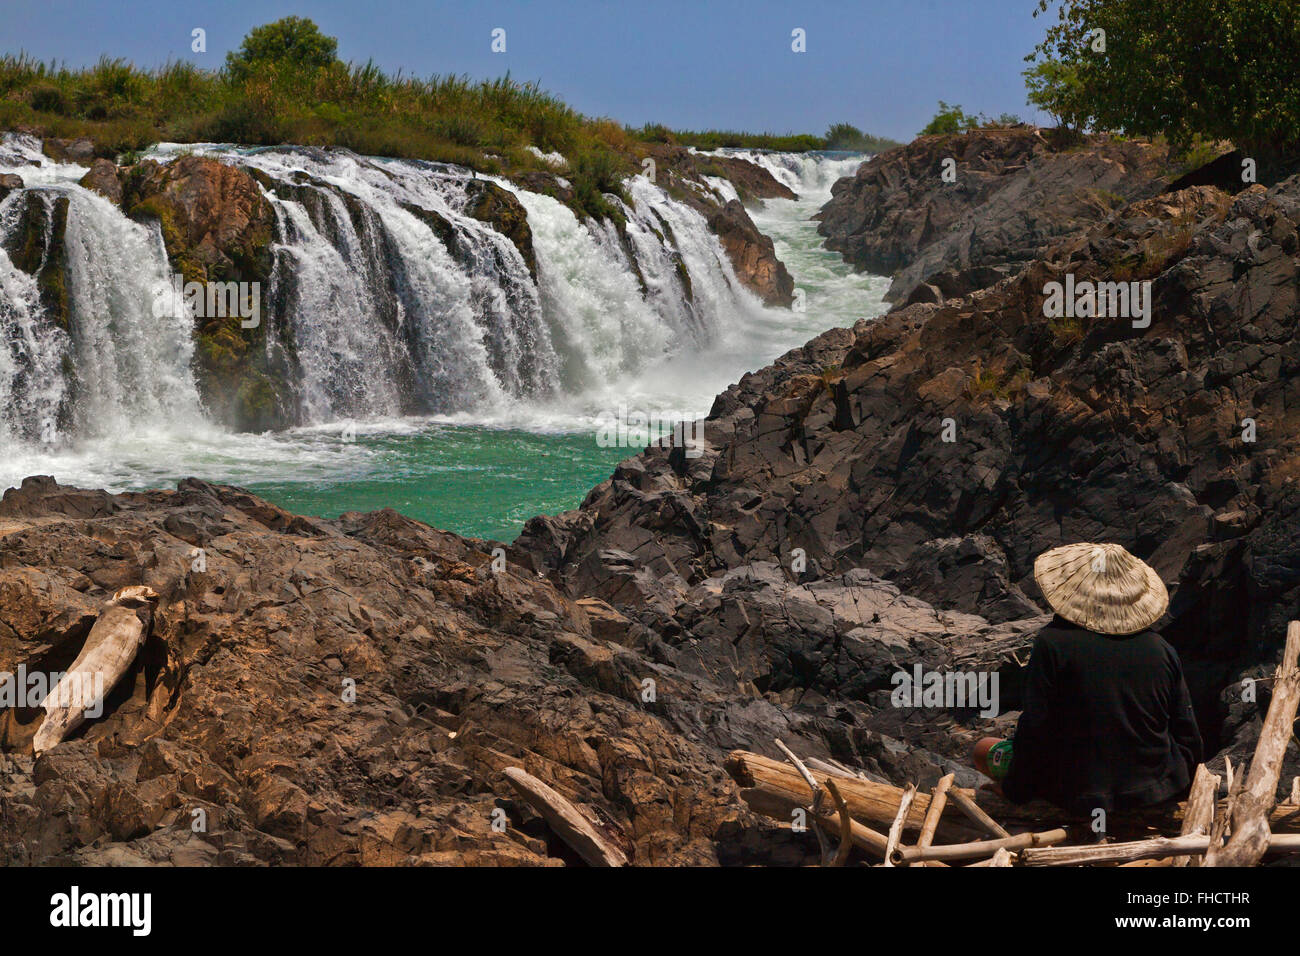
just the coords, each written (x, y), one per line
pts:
(1107, 722)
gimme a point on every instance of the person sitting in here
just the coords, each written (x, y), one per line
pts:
(1107, 720)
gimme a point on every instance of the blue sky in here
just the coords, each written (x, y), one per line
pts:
(704, 64)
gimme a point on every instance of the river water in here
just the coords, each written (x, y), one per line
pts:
(513, 377)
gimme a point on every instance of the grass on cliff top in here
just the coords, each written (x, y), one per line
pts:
(840, 136)
(486, 125)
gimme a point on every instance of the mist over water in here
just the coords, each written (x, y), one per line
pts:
(468, 393)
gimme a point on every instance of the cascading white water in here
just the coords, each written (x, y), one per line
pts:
(807, 174)
(124, 360)
(410, 319)
(832, 294)
(31, 379)
(470, 336)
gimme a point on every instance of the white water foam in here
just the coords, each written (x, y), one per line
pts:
(466, 339)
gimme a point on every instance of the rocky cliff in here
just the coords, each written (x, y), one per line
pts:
(946, 215)
(351, 691)
(945, 446)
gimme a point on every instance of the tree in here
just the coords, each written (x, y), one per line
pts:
(1221, 69)
(292, 42)
(949, 119)
(1054, 88)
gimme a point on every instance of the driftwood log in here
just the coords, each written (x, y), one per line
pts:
(109, 651)
(968, 806)
(566, 820)
(1151, 849)
(980, 849)
(774, 788)
(896, 828)
(1200, 811)
(1250, 817)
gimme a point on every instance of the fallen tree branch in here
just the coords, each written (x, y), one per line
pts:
(1222, 819)
(896, 828)
(968, 806)
(109, 651)
(566, 820)
(1250, 832)
(938, 800)
(1200, 811)
(980, 849)
(816, 807)
(1151, 849)
(774, 788)
(846, 825)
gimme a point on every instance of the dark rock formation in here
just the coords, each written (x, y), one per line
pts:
(500, 209)
(1014, 196)
(350, 691)
(876, 447)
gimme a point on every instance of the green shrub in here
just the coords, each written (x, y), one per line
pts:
(949, 119)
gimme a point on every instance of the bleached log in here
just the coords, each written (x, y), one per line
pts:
(968, 806)
(566, 820)
(1200, 810)
(1001, 858)
(1250, 826)
(896, 828)
(816, 792)
(938, 800)
(774, 788)
(1152, 849)
(980, 849)
(833, 768)
(846, 825)
(1221, 826)
(109, 651)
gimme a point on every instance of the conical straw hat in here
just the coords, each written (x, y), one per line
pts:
(1101, 587)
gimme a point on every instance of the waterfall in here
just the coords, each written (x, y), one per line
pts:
(119, 358)
(32, 386)
(391, 307)
(384, 319)
(807, 174)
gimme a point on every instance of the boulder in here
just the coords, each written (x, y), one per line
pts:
(80, 150)
(501, 209)
(752, 254)
(215, 220)
(103, 178)
(9, 182)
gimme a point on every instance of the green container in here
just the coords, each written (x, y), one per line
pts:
(999, 760)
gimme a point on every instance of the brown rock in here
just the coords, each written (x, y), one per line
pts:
(8, 183)
(80, 150)
(752, 254)
(103, 179)
(216, 222)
